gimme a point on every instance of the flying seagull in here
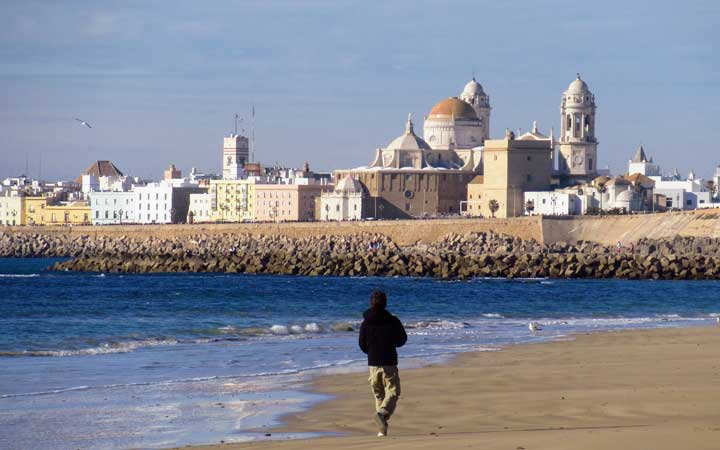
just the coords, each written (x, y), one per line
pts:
(83, 122)
(534, 326)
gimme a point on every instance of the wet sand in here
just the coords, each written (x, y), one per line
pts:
(639, 389)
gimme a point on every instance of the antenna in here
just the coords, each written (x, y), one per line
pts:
(26, 165)
(252, 154)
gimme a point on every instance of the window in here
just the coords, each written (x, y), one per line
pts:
(688, 202)
(407, 206)
(590, 164)
(97, 214)
(495, 157)
(529, 158)
(528, 177)
(106, 214)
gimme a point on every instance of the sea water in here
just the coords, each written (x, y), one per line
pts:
(103, 361)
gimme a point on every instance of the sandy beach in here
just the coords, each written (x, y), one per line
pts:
(640, 389)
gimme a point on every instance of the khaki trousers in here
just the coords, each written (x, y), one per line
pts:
(385, 384)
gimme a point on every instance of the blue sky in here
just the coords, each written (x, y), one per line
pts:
(331, 81)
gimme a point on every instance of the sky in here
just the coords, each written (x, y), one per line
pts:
(160, 82)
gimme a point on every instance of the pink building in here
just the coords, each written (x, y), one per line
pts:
(287, 202)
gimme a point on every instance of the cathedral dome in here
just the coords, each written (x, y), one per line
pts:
(408, 140)
(455, 107)
(348, 185)
(578, 86)
(473, 88)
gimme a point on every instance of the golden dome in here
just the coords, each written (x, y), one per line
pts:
(455, 107)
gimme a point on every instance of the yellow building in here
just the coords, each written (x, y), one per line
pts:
(511, 167)
(232, 200)
(39, 212)
(12, 210)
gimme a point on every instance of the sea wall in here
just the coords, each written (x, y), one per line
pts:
(402, 232)
(631, 228)
(601, 229)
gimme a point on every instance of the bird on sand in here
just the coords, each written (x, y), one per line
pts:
(534, 326)
(83, 122)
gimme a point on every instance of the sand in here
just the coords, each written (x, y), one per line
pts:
(639, 389)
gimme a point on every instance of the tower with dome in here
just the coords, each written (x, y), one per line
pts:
(577, 159)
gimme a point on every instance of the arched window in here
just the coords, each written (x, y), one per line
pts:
(569, 121)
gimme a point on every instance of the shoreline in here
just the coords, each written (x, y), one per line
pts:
(515, 372)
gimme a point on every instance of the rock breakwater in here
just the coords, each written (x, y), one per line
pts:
(455, 256)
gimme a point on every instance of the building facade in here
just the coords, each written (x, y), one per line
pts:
(345, 202)
(12, 209)
(512, 167)
(163, 202)
(232, 200)
(111, 207)
(200, 210)
(288, 202)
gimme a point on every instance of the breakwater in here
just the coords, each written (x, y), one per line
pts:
(455, 256)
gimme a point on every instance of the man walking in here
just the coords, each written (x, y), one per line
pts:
(380, 334)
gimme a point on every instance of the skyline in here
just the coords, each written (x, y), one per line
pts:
(332, 81)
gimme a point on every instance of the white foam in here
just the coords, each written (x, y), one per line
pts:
(19, 275)
(312, 328)
(279, 329)
(437, 325)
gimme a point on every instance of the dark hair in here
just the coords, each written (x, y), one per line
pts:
(378, 299)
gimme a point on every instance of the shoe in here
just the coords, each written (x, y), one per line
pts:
(381, 434)
(381, 421)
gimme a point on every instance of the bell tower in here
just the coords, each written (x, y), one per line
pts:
(474, 94)
(578, 146)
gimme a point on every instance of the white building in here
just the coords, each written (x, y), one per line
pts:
(200, 209)
(112, 207)
(643, 165)
(344, 202)
(163, 202)
(235, 155)
(551, 203)
(690, 193)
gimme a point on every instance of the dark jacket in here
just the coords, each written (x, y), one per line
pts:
(380, 334)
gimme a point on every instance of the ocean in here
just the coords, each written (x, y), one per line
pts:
(104, 361)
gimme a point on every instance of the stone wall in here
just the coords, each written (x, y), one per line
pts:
(604, 230)
(402, 232)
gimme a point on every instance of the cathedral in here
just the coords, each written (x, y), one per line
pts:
(417, 176)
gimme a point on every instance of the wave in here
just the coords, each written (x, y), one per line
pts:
(19, 275)
(114, 347)
(296, 371)
(437, 325)
(493, 316)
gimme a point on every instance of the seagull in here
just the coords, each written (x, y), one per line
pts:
(83, 122)
(534, 326)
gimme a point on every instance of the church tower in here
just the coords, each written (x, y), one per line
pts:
(235, 155)
(476, 97)
(578, 146)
